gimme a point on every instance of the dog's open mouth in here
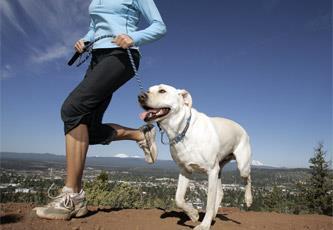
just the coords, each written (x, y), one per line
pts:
(152, 114)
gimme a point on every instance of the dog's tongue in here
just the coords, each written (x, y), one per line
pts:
(145, 114)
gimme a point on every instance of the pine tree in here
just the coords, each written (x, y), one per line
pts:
(274, 200)
(319, 187)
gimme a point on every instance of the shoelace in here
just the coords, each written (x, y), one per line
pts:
(65, 197)
(145, 131)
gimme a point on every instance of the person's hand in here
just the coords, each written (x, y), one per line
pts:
(79, 46)
(124, 41)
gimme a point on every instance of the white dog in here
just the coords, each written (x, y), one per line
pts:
(198, 143)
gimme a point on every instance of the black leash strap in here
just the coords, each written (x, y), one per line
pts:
(77, 54)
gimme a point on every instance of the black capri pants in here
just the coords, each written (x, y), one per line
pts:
(109, 69)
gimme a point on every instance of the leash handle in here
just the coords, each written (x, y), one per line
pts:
(73, 59)
(77, 54)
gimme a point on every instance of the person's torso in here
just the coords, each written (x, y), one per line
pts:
(113, 17)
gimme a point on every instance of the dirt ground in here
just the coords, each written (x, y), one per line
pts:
(20, 216)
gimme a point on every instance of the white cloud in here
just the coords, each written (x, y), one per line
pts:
(59, 24)
(52, 53)
(7, 11)
(50, 29)
(61, 20)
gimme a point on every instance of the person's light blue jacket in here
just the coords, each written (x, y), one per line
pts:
(115, 17)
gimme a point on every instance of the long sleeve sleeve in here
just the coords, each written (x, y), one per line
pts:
(91, 33)
(156, 28)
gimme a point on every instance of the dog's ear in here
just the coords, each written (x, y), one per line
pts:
(186, 96)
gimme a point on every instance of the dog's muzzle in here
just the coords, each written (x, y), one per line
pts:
(142, 97)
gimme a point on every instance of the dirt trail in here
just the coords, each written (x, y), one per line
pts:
(20, 216)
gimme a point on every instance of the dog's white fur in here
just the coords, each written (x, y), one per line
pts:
(210, 142)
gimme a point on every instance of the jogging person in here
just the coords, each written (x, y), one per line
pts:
(83, 110)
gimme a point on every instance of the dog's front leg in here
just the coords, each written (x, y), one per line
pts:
(183, 181)
(211, 199)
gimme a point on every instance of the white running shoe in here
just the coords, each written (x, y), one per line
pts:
(64, 206)
(148, 144)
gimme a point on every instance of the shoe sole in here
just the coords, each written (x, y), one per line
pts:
(75, 213)
(82, 212)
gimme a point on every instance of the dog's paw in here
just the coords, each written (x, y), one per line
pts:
(193, 214)
(201, 227)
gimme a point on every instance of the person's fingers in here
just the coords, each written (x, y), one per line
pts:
(122, 44)
(120, 40)
(124, 41)
(116, 40)
(81, 42)
(79, 46)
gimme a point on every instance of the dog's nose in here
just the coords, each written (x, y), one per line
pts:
(142, 97)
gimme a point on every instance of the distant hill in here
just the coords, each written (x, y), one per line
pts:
(30, 161)
(261, 175)
(47, 160)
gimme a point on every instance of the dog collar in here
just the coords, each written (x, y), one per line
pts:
(180, 136)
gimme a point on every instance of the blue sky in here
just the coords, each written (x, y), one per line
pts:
(266, 64)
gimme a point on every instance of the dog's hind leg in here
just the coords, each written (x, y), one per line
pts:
(219, 196)
(243, 159)
(248, 194)
(180, 197)
(219, 191)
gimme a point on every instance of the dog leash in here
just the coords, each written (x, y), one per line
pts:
(180, 137)
(88, 48)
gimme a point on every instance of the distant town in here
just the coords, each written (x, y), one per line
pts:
(27, 178)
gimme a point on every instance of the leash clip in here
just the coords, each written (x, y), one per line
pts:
(162, 138)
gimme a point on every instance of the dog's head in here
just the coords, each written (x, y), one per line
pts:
(162, 101)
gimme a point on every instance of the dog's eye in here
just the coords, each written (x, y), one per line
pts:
(162, 91)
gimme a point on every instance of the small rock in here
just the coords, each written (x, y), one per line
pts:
(98, 227)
